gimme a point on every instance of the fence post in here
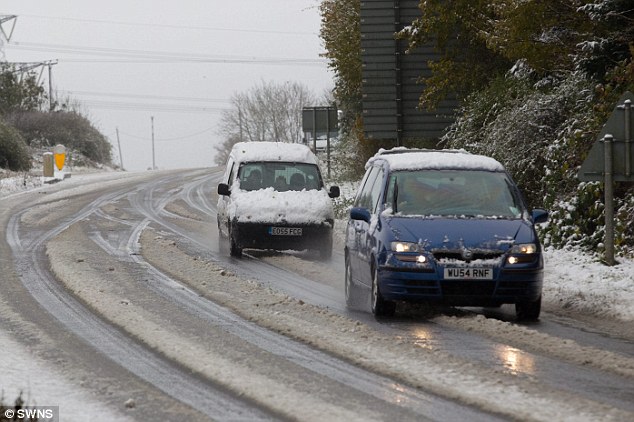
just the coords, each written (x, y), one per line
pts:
(609, 199)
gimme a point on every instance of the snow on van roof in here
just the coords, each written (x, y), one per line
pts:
(272, 151)
(409, 159)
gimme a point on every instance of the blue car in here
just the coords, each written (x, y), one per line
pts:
(444, 227)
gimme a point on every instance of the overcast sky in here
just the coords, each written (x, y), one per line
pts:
(178, 61)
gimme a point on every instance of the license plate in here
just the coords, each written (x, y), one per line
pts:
(469, 273)
(285, 231)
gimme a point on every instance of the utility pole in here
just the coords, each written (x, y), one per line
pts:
(23, 68)
(153, 157)
(120, 156)
(51, 103)
(240, 123)
(4, 35)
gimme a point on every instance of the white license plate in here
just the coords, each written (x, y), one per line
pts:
(469, 273)
(285, 231)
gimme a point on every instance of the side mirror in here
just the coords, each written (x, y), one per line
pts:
(334, 192)
(362, 214)
(539, 216)
(223, 189)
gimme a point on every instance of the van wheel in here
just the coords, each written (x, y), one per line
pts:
(380, 306)
(234, 248)
(528, 311)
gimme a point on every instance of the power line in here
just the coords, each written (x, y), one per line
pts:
(164, 56)
(115, 105)
(180, 138)
(144, 96)
(190, 27)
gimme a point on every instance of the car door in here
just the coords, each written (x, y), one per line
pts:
(359, 251)
(354, 226)
(368, 231)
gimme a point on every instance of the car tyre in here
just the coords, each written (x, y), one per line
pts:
(528, 311)
(349, 287)
(380, 306)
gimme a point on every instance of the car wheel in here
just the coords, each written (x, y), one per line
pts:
(528, 311)
(234, 248)
(380, 306)
(350, 289)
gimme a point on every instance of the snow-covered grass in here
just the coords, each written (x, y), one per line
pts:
(580, 282)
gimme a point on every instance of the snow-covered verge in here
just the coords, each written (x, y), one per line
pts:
(11, 182)
(581, 283)
(17, 182)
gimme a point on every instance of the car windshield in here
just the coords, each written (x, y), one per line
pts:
(471, 193)
(279, 176)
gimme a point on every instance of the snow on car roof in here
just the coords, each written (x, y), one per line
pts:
(409, 159)
(273, 151)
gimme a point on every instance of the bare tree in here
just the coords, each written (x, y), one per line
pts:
(267, 112)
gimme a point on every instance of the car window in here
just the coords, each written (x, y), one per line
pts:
(376, 191)
(369, 195)
(454, 193)
(280, 176)
(362, 184)
(364, 199)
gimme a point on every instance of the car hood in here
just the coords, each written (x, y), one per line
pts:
(459, 233)
(270, 206)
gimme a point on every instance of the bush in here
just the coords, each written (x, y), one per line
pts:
(75, 132)
(14, 152)
(542, 132)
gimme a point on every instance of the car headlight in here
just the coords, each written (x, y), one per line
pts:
(404, 247)
(522, 253)
(524, 249)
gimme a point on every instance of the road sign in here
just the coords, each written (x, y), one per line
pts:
(619, 126)
(320, 119)
(609, 161)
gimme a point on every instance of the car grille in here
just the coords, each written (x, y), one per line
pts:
(491, 257)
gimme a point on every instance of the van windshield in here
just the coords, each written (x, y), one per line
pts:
(471, 193)
(279, 176)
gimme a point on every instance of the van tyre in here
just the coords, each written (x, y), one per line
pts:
(234, 249)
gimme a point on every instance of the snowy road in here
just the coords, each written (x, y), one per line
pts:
(119, 284)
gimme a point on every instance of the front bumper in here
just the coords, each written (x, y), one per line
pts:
(509, 285)
(259, 236)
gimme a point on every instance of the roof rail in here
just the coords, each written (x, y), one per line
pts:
(403, 150)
